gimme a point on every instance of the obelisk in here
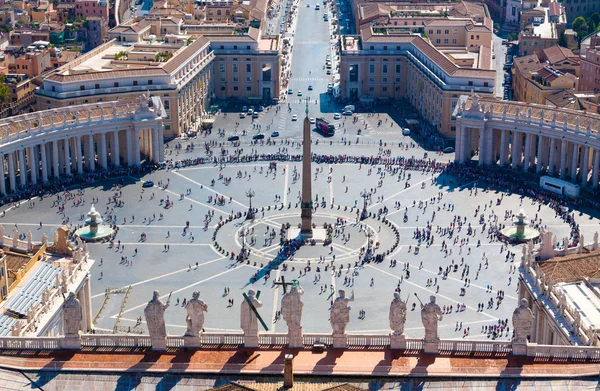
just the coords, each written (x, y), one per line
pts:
(307, 204)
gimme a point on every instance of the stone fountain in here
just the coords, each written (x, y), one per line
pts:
(520, 231)
(94, 230)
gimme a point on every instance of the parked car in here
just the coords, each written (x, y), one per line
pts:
(311, 120)
(255, 115)
(275, 134)
(233, 138)
(244, 108)
(337, 116)
(310, 88)
(148, 183)
(294, 117)
(299, 92)
(347, 112)
(259, 136)
(242, 115)
(290, 91)
(260, 108)
(448, 150)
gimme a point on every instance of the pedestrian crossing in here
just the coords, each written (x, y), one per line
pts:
(370, 129)
(316, 79)
(282, 120)
(303, 100)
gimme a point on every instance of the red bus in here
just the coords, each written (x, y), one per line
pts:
(325, 128)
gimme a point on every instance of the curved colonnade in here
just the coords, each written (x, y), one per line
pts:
(55, 143)
(532, 138)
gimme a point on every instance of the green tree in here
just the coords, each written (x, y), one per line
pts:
(4, 91)
(577, 23)
(562, 39)
(595, 17)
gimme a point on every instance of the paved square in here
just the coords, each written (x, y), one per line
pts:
(191, 261)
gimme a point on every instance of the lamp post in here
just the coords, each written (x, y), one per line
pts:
(364, 194)
(250, 194)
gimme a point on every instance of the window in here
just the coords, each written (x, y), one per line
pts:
(116, 85)
(97, 86)
(371, 80)
(135, 82)
(222, 80)
(438, 31)
(398, 68)
(430, 32)
(384, 89)
(446, 32)
(53, 89)
(234, 47)
(438, 41)
(397, 80)
(248, 88)
(222, 47)
(470, 83)
(81, 88)
(166, 104)
(384, 68)
(384, 80)
(248, 68)
(485, 83)
(371, 47)
(371, 88)
(149, 82)
(446, 41)
(384, 47)
(454, 41)
(221, 67)
(248, 79)
(472, 36)
(371, 68)
(235, 88)
(236, 79)
(235, 68)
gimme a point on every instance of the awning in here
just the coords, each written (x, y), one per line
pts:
(208, 121)
(367, 99)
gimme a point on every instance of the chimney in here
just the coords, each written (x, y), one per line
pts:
(288, 371)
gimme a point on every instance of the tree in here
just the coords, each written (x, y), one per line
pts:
(595, 17)
(577, 23)
(4, 91)
(562, 39)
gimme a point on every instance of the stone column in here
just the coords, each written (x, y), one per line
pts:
(482, 146)
(114, 149)
(527, 159)
(78, 155)
(129, 134)
(465, 150)
(32, 161)
(136, 147)
(563, 159)
(155, 145)
(539, 155)
(161, 143)
(102, 151)
(11, 171)
(91, 154)
(87, 307)
(596, 169)
(585, 165)
(503, 146)
(2, 175)
(574, 161)
(55, 159)
(516, 150)
(44, 163)
(458, 149)
(551, 165)
(67, 157)
(22, 168)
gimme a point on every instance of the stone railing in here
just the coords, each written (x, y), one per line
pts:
(586, 353)
(565, 120)
(31, 124)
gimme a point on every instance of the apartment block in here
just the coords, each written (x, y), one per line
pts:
(394, 64)
(534, 81)
(589, 73)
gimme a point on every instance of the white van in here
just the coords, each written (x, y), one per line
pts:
(406, 132)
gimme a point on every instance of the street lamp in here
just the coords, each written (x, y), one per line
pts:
(364, 194)
(250, 194)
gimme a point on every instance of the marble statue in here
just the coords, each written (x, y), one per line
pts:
(195, 315)
(431, 314)
(155, 319)
(340, 313)
(522, 320)
(15, 238)
(291, 310)
(44, 239)
(595, 246)
(248, 319)
(72, 315)
(397, 314)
